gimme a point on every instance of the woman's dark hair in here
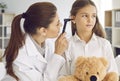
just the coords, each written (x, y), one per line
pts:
(38, 15)
(79, 4)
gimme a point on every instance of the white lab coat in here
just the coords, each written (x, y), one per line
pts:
(30, 65)
(2, 70)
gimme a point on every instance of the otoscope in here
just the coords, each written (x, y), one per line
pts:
(65, 22)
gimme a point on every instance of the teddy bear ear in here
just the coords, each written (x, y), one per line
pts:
(80, 60)
(104, 61)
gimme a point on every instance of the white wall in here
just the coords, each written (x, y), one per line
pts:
(116, 4)
(63, 6)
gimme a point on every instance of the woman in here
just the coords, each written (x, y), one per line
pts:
(28, 55)
(88, 37)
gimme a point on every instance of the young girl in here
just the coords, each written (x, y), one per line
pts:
(88, 37)
(28, 56)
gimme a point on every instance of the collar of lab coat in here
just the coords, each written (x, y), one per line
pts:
(32, 50)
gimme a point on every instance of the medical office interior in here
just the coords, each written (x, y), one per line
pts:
(108, 13)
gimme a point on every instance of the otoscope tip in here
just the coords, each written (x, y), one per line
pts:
(68, 19)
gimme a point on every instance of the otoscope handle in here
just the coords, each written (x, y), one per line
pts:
(64, 27)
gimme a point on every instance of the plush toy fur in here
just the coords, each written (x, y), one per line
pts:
(91, 69)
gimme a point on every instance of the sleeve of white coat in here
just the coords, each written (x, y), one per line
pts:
(53, 67)
(110, 56)
(2, 70)
(66, 68)
(26, 72)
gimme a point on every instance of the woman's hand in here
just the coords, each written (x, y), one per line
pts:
(61, 44)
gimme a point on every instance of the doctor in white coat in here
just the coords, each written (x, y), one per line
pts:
(28, 56)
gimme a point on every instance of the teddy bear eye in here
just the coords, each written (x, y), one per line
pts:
(97, 73)
(86, 73)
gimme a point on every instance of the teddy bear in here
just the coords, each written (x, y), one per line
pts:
(91, 69)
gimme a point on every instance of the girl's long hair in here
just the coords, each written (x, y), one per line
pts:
(79, 4)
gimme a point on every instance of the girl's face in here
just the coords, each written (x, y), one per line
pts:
(54, 28)
(85, 19)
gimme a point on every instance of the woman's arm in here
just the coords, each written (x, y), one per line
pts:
(53, 67)
(2, 70)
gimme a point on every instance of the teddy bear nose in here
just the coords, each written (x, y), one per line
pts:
(93, 78)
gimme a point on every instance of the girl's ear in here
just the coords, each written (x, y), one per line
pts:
(73, 17)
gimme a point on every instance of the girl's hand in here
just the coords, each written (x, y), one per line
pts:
(61, 44)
